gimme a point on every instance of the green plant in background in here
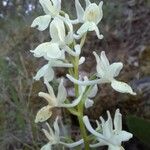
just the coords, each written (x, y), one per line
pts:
(63, 50)
(140, 128)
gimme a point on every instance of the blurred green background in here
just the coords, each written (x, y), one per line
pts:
(126, 28)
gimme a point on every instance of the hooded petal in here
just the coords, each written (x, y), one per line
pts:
(62, 93)
(122, 87)
(41, 22)
(115, 68)
(46, 147)
(79, 10)
(57, 30)
(43, 114)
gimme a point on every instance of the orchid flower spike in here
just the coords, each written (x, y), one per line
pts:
(88, 102)
(112, 137)
(107, 73)
(52, 9)
(54, 137)
(90, 17)
(45, 113)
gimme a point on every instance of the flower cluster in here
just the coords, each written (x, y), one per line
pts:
(63, 50)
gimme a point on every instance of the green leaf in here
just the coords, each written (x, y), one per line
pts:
(140, 128)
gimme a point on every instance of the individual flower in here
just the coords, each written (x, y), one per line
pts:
(110, 136)
(90, 17)
(58, 44)
(93, 91)
(47, 71)
(107, 73)
(54, 101)
(52, 9)
(54, 137)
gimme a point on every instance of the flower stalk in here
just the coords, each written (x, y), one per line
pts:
(64, 51)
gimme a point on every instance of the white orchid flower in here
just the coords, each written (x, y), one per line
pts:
(107, 73)
(58, 44)
(90, 17)
(88, 102)
(112, 137)
(54, 137)
(47, 71)
(54, 101)
(52, 9)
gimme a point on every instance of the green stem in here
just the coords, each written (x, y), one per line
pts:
(80, 108)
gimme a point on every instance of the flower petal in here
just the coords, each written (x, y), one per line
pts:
(99, 66)
(41, 49)
(49, 75)
(93, 92)
(41, 72)
(43, 114)
(104, 59)
(100, 8)
(57, 30)
(46, 147)
(123, 136)
(41, 22)
(47, 50)
(79, 10)
(62, 93)
(79, 82)
(53, 51)
(50, 90)
(90, 129)
(71, 145)
(51, 101)
(84, 28)
(46, 5)
(115, 68)
(59, 63)
(87, 2)
(56, 127)
(118, 121)
(89, 103)
(122, 87)
(100, 36)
